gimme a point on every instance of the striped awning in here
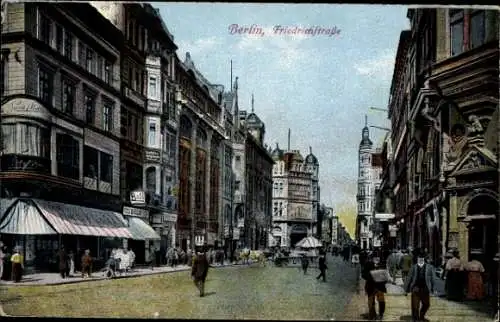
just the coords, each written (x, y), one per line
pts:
(140, 230)
(68, 219)
(21, 217)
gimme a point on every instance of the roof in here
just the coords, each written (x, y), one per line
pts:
(311, 158)
(277, 153)
(252, 120)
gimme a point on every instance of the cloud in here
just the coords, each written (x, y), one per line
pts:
(380, 67)
(199, 46)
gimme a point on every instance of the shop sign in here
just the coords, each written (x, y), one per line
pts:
(152, 156)
(199, 240)
(25, 107)
(137, 197)
(166, 217)
(135, 212)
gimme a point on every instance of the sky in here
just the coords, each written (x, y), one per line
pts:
(320, 86)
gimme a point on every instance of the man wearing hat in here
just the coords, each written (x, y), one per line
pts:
(420, 283)
(199, 269)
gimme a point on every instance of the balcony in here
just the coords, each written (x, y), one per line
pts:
(17, 162)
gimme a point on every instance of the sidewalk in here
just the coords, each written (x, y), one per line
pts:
(398, 307)
(56, 279)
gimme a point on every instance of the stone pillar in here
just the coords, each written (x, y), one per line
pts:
(463, 241)
(208, 186)
(221, 212)
(192, 183)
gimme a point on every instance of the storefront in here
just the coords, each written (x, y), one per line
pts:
(40, 227)
(144, 237)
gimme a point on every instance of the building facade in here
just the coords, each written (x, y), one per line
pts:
(295, 196)
(60, 116)
(451, 159)
(201, 157)
(149, 119)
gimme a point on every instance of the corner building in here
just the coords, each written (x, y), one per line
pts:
(60, 116)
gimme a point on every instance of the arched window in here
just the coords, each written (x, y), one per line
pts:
(151, 179)
(201, 139)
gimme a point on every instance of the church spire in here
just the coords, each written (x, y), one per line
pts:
(366, 120)
(252, 104)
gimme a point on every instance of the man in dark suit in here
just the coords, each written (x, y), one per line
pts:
(199, 270)
(420, 283)
(322, 267)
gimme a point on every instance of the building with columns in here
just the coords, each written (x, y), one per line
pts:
(295, 196)
(201, 158)
(366, 192)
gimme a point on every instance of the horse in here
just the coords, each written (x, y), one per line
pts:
(244, 256)
(258, 256)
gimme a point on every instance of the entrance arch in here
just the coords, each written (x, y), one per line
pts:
(297, 233)
(482, 217)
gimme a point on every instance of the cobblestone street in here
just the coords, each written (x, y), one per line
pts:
(238, 292)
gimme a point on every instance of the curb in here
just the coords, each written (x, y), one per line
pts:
(105, 278)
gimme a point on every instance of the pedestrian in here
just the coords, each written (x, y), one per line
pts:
(392, 264)
(152, 257)
(87, 264)
(454, 283)
(376, 279)
(71, 257)
(17, 264)
(63, 262)
(475, 284)
(421, 284)
(322, 267)
(305, 263)
(199, 270)
(405, 264)
(132, 258)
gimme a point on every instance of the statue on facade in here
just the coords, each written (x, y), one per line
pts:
(455, 144)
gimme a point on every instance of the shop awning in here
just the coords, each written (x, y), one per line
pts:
(68, 219)
(20, 217)
(140, 230)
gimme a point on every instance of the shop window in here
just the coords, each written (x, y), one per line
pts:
(153, 88)
(26, 139)
(68, 156)
(45, 29)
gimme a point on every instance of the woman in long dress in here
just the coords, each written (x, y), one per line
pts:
(475, 285)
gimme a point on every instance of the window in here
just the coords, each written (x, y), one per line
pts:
(89, 60)
(100, 67)
(107, 115)
(26, 139)
(45, 85)
(68, 45)
(89, 101)
(81, 53)
(152, 87)
(137, 81)
(59, 38)
(152, 134)
(457, 31)
(107, 72)
(106, 168)
(68, 156)
(173, 147)
(68, 96)
(45, 32)
(280, 210)
(477, 28)
(151, 179)
(90, 162)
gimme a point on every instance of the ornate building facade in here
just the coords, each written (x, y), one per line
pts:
(295, 196)
(450, 97)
